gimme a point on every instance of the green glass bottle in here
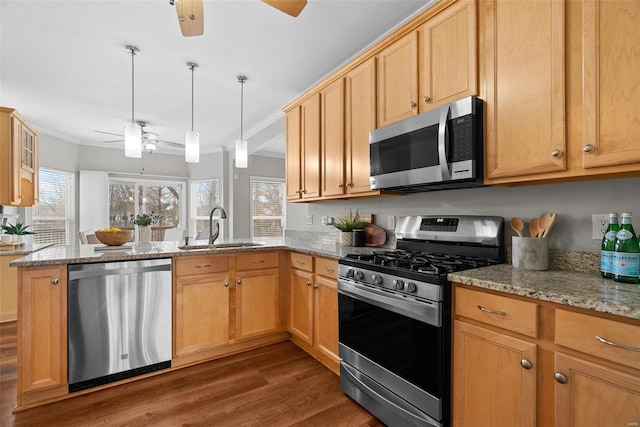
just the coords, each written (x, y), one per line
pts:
(607, 248)
(627, 253)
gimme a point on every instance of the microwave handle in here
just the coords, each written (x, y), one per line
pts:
(443, 143)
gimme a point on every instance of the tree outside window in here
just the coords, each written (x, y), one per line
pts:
(268, 213)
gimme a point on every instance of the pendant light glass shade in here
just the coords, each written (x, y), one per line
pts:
(242, 150)
(191, 138)
(242, 153)
(132, 140)
(132, 131)
(191, 146)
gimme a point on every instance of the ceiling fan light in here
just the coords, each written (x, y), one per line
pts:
(192, 146)
(242, 154)
(132, 140)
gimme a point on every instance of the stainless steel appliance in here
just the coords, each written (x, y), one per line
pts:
(435, 150)
(119, 320)
(395, 315)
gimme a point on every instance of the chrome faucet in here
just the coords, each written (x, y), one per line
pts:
(223, 215)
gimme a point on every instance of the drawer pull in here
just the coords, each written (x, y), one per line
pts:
(329, 270)
(604, 341)
(300, 262)
(203, 265)
(526, 364)
(258, 261)
(486, 310)
(561, 378)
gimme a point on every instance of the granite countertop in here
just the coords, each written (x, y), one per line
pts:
(132, 251)
(27, 248)
(576, 289)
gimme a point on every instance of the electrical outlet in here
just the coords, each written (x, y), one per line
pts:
(599, 224)
(309, 219)
(325, 219)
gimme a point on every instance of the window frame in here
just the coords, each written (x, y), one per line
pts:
(70, 219)
(192, 218)
(283, 217)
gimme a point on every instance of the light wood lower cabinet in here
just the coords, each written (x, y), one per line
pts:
(42, 334)
(314, 307)
(8, 289)
(561, 375)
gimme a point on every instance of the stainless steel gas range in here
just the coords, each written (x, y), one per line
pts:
(395, 315)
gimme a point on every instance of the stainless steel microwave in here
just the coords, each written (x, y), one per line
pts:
(435, 150)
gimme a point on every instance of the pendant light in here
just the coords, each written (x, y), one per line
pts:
(191, 138)
(242, 153)
(132, 131)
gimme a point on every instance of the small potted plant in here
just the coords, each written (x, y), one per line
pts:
(346, 225)
(144, 222)
(18, 230)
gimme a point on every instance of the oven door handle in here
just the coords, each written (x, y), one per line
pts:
(443, 143)
(422, 311)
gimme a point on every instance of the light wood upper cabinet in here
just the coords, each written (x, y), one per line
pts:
(333, 127)
(398, 80)
(19, 164)
(448, 56)
(360, 120)
(524, 78)
(293, 154)
(42, 328)
(611, 86)
(310, 131)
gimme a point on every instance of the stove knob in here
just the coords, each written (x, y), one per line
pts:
(350, 273)
(411, 287)
(376, 279)
(359, 275)
(398, 285)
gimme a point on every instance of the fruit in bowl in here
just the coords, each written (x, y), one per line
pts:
(113, 236)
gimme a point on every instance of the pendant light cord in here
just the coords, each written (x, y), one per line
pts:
(133, 91)
(192, 66)
(242, 80)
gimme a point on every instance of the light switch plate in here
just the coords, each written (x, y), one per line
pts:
(309, 219)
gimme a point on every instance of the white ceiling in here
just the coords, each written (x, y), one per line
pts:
(64, 66)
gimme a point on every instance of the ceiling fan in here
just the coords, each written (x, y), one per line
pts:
(149, 139)
(191, 13)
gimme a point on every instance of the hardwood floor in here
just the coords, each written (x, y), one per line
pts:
(278, 385)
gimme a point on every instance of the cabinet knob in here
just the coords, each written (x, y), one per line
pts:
(560, 378)
(315, 286)
(426, 99)
(556, 153)
(239, 281)
(526, 364)
(350, 184)
(226, 284)
(308, 283)
(340, 186)
(413, 105)
(55, 281)
(588, 148)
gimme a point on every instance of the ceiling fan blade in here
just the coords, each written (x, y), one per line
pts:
(113, 140)
(171, 143)
(108, 133)
(290, 7)
(191, 17)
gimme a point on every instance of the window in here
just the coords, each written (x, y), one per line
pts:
(205, 195)
(129, 197)
(268, 213)
(54, 220)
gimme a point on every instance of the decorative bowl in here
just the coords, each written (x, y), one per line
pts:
(114, 238)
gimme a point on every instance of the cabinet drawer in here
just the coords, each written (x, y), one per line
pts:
(503, 312)
(302, 262)
(201, 265)
(256, 260)
(327, 268)
(579, 332)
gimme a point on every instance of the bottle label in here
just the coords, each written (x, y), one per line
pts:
(624, 234)
(610, 235)
(606, 261)
(627, 264)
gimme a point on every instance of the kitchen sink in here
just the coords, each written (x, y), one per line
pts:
(219, 246)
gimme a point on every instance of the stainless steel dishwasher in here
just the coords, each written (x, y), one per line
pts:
(119, 320)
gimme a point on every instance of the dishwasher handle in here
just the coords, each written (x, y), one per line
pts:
(117, 269)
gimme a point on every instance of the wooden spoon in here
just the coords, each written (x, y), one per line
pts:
(545, 222)
(533, 227)
(517, 225)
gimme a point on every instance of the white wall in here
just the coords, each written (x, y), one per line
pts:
(574, 203)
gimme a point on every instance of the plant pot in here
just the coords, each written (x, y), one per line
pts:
(144, 233)
(344, 238)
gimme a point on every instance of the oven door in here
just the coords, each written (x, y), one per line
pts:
(386, 353)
